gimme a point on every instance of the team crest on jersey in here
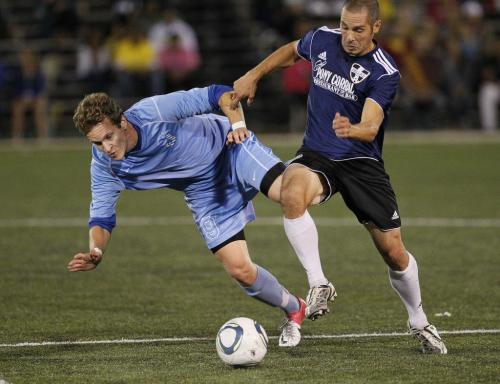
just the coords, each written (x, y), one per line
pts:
(358, 73)
(166, 139)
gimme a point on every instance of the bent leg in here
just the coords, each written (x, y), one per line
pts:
(403, 273)
(300, 189)
(255, 280)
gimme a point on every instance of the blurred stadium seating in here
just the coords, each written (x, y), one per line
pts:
(453, 45)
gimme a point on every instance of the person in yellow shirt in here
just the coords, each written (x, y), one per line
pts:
(133, 57)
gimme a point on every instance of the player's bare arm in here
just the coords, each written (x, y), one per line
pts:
(239, 131)
(87, 261)
(366, 130)
(246, 86)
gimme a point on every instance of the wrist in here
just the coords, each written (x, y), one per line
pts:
(256, 73)
(238, 124)
(96, 255)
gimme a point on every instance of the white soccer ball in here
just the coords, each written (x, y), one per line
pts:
(241, 342)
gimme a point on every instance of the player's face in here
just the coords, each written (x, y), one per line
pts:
(110, 139)
(357, 32)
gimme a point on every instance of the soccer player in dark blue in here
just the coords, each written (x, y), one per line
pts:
(353, 85)
(173, 141)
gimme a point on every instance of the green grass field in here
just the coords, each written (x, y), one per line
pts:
(158, 281)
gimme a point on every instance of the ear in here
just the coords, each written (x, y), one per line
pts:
(123, 122)
(376, 26)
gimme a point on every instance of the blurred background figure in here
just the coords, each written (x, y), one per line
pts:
(175, 44)
(93, 65)
(133, 57)
(295, 81)
(489, 82)
(176, 66)
(29, 96)
(447, 51)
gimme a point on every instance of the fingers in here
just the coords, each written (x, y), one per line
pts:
(244, 88)
(235, 100)
(341, 125)
(237, 136)
(81, 262)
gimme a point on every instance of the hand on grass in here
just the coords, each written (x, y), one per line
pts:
(85, 261)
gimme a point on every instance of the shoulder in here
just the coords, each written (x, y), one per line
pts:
(383, 64)
(326, 34)
(144, 111)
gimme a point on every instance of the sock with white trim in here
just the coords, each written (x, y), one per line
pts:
(267, 289)
(303, 236)
(406, 284)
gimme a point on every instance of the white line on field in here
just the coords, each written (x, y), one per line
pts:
(189, 339)
(444, 222)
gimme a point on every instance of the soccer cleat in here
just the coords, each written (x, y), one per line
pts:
(290, 334)
(429, 339)
(317, 300)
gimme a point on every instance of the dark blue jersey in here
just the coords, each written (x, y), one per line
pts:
(341, 83)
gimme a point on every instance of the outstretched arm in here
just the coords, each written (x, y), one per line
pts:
(246, 86)
(87, 261)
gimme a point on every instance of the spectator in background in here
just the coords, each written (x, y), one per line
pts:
(29, 94)
(93, 66)
(160, 36)
(133, 57)
(489, 88)
(59, 19)
(296, 81)
(415, 54)
(177, 64)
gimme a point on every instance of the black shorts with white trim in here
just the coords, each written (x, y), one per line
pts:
(363, 184)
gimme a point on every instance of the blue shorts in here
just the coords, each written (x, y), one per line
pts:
(222, 204)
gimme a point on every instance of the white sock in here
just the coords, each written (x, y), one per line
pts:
(406, 284)
(303, 236)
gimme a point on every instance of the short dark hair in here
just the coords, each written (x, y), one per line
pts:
(358, 5)
(93, 109)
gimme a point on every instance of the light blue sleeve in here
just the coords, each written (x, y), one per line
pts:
(179, 105)
(106, 188)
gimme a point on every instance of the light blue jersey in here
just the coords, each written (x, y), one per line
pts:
(182, 147)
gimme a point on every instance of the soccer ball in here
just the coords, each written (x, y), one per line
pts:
(241, 342)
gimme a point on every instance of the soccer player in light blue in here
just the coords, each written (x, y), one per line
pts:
(353, 85)
(173, 141)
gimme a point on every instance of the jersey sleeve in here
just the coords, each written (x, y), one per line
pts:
(106, 188)
(384, 90)
(304, 45)
(179, 105)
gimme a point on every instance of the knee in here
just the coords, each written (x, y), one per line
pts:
(244, 273)
(396, 257)
(293, 200)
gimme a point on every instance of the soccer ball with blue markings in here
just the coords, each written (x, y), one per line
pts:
(241, 342)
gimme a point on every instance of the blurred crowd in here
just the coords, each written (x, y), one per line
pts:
(448, 52)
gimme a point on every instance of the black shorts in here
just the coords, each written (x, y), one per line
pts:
(363, 184)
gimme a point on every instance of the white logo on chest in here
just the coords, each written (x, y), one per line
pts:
(166, 139)
(358, 73)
